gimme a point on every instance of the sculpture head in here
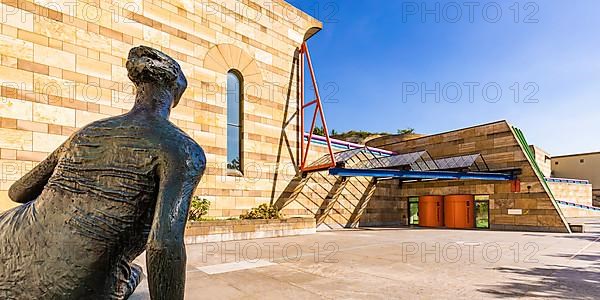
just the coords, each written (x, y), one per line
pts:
(148, 66)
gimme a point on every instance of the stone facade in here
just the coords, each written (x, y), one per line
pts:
(62, 66)
(543, 160)
(362, 201)
(572, 192)
(497, 143)
(580, 166)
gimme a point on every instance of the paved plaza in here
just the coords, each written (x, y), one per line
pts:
(384, 263)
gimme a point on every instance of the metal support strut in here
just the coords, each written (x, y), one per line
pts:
(304, 54)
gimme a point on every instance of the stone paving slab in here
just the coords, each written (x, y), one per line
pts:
(384, 263)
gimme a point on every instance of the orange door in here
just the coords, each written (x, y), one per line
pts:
(431, 213)
(458, 211)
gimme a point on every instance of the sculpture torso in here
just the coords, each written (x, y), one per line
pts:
(115, 188)
(100, 200)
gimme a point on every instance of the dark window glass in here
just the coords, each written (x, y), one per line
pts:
(234, 126)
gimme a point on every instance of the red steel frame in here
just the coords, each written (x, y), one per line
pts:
(304, 54)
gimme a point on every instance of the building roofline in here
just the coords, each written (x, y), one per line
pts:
(316, 22)
(436, 134)
(576, 154)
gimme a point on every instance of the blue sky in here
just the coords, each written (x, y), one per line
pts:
(375, 58)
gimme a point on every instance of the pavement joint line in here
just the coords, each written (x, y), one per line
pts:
(584, 248)
(234, 266)
(299, 286)
(570, 258)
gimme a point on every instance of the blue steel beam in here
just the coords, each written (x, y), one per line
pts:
(380, 173)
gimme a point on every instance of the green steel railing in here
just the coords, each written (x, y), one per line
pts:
(531, 156)
(539, 173)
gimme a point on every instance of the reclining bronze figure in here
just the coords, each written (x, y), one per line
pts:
(115, 188)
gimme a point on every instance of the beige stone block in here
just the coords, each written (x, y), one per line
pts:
(226, 52)
(84, 118)
(31, 156)
(94, 41)
(16, 18)
(5, 202)
(127, 26)
(46, 85)
(16, 109)
(53, 57)
(8, 154)
(113, 60)
(156, 37)
(119, 73)
(525, 203)
(263, 56)
(56, 30)
(92, 93)
(93, 67)
(45, 142)
(15, 47)
(14, 78)
(12, 170)
(205, 32)
(32, 126)
(121, 49)
(92, 15)
(10, 31)
(53, 114)
(64, 6)
(16, 139)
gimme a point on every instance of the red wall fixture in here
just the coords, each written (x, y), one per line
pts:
(459, 211)
(431, 213)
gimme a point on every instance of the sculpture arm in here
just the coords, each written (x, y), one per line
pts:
(165, 251)
(31, 185)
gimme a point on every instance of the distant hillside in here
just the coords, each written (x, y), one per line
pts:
(358, 137)
(361, 136)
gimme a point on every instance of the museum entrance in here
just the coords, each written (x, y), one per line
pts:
(450, 211)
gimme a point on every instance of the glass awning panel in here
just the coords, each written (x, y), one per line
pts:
(473, 162)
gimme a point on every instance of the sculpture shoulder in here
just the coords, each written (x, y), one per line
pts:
(182, 150)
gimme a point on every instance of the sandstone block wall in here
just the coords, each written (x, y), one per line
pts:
(62, 66)
(499, 147)
(572, 192)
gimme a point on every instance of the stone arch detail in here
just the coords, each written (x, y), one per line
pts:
(224, 57)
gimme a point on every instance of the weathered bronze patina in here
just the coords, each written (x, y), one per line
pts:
(115, 188)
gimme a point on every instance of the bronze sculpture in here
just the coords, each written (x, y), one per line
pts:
(115, 188)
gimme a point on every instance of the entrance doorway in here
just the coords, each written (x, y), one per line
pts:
(413, 211)
(482, 211)
(478, 210)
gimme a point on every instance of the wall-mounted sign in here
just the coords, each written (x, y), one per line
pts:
(515, 211)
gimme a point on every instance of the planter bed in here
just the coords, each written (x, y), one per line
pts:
(234, 230)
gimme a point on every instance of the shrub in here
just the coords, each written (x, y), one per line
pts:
(263, 211)
(198, 208)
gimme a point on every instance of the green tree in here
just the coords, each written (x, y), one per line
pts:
(406, 131)
(319, 131)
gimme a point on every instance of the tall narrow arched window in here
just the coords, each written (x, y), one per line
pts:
(234, 121)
